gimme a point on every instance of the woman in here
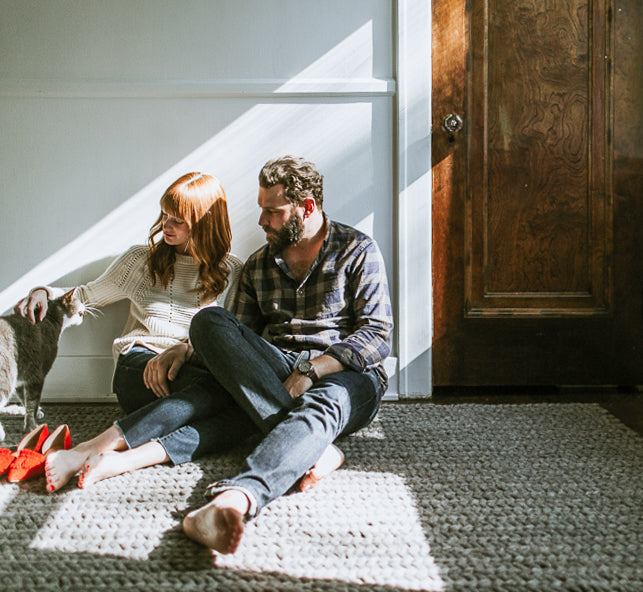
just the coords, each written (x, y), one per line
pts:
(186, 266)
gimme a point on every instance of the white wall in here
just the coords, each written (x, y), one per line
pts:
(104, 103)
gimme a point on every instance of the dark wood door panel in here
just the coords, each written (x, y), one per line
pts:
(537, 201)
(538, 228)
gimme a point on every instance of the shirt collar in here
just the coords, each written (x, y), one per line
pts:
(276, 254)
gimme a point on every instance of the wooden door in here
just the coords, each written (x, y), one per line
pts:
(537, 192)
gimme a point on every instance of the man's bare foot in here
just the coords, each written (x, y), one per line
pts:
(331, 459)
(61, 466)
(219, 524)
(101, 466)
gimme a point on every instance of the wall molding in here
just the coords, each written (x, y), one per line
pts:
(414, 286)
(187, 89)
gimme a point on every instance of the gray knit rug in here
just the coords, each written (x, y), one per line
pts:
(468, 497)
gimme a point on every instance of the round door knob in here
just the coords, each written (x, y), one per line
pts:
(452, 123)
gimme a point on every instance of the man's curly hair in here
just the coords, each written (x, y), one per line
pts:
(297, 175)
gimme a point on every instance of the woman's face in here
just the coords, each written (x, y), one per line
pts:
(176, 232)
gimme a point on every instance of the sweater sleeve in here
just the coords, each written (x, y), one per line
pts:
(124, 278)
(229, 295)
(126, 275)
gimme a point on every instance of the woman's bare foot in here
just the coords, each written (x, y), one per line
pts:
(219, 524)
(331, 459)
(61, 466)
(101, 466)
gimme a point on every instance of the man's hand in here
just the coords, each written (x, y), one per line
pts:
(297, 384)
(34, 306)
(162, 369)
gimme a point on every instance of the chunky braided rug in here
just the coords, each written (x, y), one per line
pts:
(469, 497)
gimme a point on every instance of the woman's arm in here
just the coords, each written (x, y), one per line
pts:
(109, 287)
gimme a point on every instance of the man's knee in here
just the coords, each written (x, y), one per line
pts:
(208, 323)
(327, 400)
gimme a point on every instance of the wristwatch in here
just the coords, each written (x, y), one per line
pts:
(307, 369)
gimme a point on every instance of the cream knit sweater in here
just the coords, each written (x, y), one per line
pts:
(158, 317)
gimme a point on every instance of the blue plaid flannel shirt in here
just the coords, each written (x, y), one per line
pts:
(342, 308)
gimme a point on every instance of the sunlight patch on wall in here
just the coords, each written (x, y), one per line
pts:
(320, 131)
(349, 61)
(366, 224)
(324, 132)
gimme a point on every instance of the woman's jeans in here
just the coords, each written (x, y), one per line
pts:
(298, 430)
(197, 418)
(128, 382)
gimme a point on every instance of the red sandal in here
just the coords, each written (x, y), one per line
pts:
(31, 463)
(34, 440)
(6, 458)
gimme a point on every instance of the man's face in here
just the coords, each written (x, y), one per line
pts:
(280, 220)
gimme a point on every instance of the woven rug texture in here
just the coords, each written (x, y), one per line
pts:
(466, 497)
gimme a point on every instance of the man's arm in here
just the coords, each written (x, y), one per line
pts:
(246, 307)
(370, 342)
(297, 383)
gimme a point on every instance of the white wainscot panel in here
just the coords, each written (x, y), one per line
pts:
(80, 379)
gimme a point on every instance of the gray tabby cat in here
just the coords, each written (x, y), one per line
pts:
(28, 351)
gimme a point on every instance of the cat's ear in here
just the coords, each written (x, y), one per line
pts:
(69, 296)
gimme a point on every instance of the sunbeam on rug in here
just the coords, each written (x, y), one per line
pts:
(431, 497)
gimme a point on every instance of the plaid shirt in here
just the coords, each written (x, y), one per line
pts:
(342, 308)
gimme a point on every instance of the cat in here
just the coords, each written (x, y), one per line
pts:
(28, 351)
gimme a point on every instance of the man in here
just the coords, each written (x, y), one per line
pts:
(317, 293)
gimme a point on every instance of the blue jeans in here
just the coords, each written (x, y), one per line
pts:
(128, 382)
(197, 418)
(298, 430)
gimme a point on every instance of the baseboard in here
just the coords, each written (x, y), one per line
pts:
(79, 398)
(85, 379)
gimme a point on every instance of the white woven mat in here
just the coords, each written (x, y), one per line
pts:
(463, 497)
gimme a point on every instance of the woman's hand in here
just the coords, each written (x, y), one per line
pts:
(34, 306)
(164, 368)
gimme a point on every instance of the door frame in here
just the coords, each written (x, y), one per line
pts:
(414, 287)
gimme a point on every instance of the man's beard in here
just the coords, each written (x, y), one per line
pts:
(289, 234)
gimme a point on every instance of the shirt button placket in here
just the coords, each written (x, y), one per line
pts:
(301, 301)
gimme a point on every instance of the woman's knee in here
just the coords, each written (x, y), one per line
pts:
(130, 389)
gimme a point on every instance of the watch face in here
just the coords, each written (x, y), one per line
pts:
(305, 367)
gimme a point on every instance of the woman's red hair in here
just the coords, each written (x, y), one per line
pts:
(199, 199)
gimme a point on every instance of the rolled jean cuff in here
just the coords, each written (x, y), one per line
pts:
(176, 453)
(180, 445)
(215, 489)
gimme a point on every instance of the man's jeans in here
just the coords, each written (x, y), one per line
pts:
(298, 430)
(197, 418)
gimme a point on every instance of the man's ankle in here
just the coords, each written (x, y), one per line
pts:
(233, 498)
